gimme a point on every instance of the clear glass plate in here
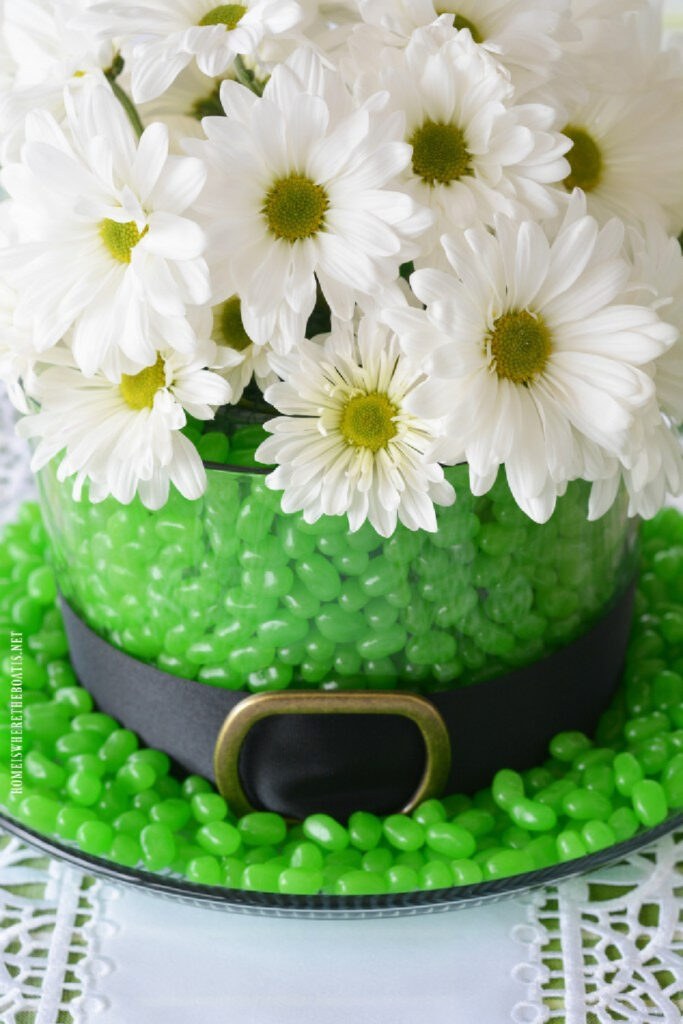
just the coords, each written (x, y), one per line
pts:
(339, 907)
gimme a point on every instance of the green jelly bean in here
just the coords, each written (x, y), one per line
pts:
(479, 822)
(262, 877)
(360, 883)
(273, 582)
(597, 835)
(300, 882)
(567, 745)
(84, 788)
(47, 722)
(430, 812)
(505, 863)
(381, 645)
(39, 812)
(326, 832)
(365, 830)
(219, 837)
(283, 630)
(251, 658)
(157, 759)
(543, 851)
(207, 806)
(638, 729)
(74, 699)
(623, 823)
(585, 804)
(352, 597)
(403, 833)
(377, 860)
(507, 788)
(380, 615)
(667, 690)
(126, 850)
(42, 771)
(158, 846)
(627, 772)
(307, 856)
(570, 846)
(347, 662)
(276, 677)
(262, 828)
(95, 837)
(435, 874)
(27, 615)
(69, 819)
(131, 823)
(466, 872)
(649, 802)
(401, 878)
(452, 840)
(136, 776)
(42, 586)
(431, 648)
(599, 777)
(95, 721)
(173, 812)
(533, 815)
(204, 870)
(302, 603)
(381, 577)
(341, 626)
(319, 577)
(117, 747)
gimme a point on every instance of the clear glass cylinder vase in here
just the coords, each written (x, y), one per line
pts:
(232, 592)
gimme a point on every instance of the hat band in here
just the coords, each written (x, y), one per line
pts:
(306, 761)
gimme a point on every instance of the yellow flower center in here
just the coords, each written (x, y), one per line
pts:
(295, 208)
(138, 389)
(460, 21)
(225, 14)
(520, 346)
(440, 153)
(228, 326)
(121, 239)
(585, 160)
(367, 421)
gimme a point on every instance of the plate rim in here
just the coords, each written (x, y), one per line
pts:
(330, 907)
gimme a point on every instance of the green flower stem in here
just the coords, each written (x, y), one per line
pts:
(246, 77)
(127, 104)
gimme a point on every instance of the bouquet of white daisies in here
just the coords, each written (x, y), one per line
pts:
(427, 232)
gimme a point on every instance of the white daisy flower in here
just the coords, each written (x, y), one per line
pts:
(125, 437)
(524, 36)
(626, 126)
(192, 97)
(167, 35)
(43, 52)
(658, 275)
(297, 190)
(347, 442)
(106, 247)
(532, 355)
(474, 152)
(651, 472)
(237, 358)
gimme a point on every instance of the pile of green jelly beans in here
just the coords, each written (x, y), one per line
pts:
(88, 782)
(232, 592)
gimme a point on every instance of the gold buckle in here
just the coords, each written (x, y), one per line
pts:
(251, 710)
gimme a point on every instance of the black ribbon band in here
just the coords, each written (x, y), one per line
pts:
(302, 764)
